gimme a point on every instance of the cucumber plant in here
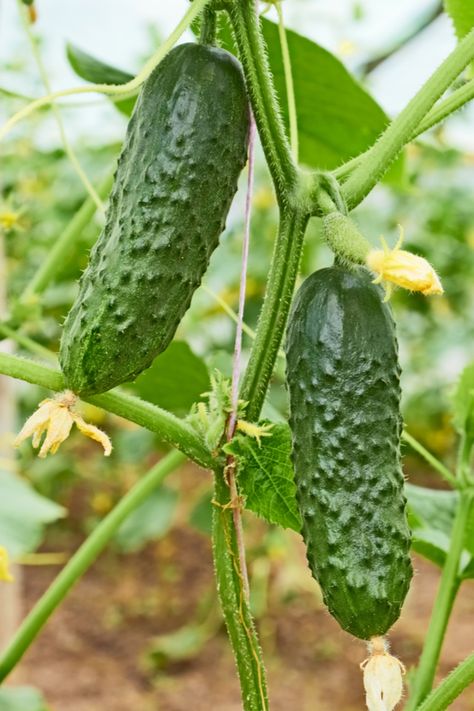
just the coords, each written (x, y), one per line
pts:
(185, 147)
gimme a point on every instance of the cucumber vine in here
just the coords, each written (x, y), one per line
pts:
(300, 194)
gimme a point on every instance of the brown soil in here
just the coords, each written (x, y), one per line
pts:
(91, 655)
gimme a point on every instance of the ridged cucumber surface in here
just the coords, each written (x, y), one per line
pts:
(343, 378)
(185, 147)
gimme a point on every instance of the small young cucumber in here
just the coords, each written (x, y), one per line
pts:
(185, 147)
(343, 378)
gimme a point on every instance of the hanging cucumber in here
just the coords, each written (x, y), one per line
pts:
(185, 147)
(343, 379)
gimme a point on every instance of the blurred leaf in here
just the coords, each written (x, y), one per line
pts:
(97, 72)
(431, 514)
(431, 544)
(176, 379)
(463, 402)
(23, 515)
(21, 698)
(265, 476)
(184, 643)
(337, 117)
(201, 515)
(430, 508)
(461, 13)
(149, 521)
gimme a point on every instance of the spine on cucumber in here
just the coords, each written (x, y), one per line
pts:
(343, 378)
(185, 147)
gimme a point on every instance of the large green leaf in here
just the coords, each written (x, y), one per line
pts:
(21, 698)
(23, 515)
(265, 476)
(337, 117)
(97, 72)
(430, 508)
(176, 379)
(151, 520)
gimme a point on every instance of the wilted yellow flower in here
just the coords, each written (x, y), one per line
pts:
(56, 416)
(5, 574)
(256, 431)
(383, 680)
(397, 266)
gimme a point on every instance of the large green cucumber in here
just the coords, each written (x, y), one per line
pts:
(343, 378)
(185, 147)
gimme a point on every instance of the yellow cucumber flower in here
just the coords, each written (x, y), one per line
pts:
(5, 574)
(56, 416)
(383, 677)
(397, 266)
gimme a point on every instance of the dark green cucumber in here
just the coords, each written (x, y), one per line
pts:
(343, 378)
(185, 147)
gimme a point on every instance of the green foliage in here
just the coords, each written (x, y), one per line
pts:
(98, 72)
(431, 515)
(21, 698)
(463, 403)
(265, 476)
(24, 515)
(176, 379)
(462, 15)
(151, 520)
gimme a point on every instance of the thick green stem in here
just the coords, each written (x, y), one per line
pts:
(274, 314)
(83, 559)
(59, 253)
(455, 101)
(253, 56)
(170, 428)
(238, 619)
(369, 171)
(451, 687)
(443, 605)
(290, 89)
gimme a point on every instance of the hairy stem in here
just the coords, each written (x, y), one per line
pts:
(250, 43)
(451, 687)
(290, 89)
(455, 101)
(275, 309)
(170, 428)
(58, 255)
(83, 559)
(122, 90)
(239, 623)
(448, 588)
(369, 171)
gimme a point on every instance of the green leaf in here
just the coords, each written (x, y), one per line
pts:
(431, 515)
(431, 544)
(265, 476)
(151, 520)
(21, 698)
(430, 508)
(461, 13)
(175, 381)
(337, 117)
(201, 515)
(23, 515)
(463, 403)
(97, 72)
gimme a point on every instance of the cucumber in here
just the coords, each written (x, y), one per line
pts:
(185, 147)
(343, 379)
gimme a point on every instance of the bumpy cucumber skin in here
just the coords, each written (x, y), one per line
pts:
(343, 378)
(185, 147)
